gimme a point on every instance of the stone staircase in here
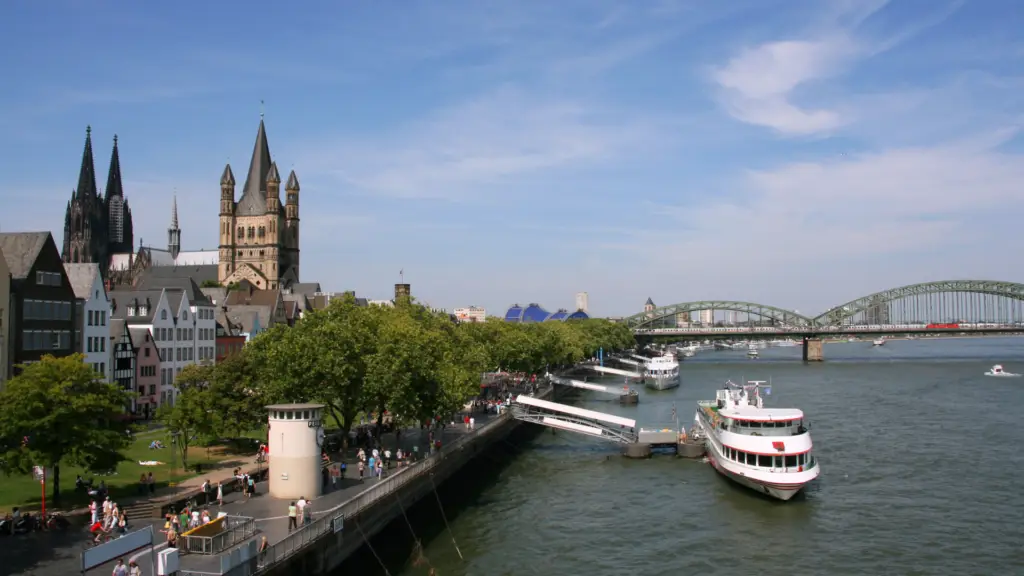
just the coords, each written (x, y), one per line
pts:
(142, 509)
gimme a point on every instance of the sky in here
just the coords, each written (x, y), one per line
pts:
(793, 153)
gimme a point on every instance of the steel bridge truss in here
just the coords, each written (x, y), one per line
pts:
(778, 316)
(572, 423)
(960, 299)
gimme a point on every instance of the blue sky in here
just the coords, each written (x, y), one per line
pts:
(794, 153)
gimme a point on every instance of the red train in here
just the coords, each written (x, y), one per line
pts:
(943, 326)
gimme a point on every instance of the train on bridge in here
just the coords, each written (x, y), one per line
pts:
(712, 330)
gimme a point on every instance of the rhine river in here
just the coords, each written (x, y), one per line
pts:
(921, 459)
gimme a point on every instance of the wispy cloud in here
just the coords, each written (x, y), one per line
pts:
(472, 148)
(767, 85)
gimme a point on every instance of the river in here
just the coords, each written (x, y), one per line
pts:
(919, 453)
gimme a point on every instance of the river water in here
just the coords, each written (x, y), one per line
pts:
(920, 457)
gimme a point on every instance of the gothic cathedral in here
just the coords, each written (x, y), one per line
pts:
(259, 238)
(97, 226)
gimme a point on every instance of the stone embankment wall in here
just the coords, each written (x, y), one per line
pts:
(379, 505)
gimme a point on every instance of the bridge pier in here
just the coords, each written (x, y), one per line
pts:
(813, 351)
(637, 450)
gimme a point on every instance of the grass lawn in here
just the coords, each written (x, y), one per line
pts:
(24, 491)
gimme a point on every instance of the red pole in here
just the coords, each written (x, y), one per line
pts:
(43, 484)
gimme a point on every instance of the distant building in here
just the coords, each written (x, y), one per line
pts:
(42, 301)
(649, 305)
(471, 314)
(583, 301)
(730, 317)
(877, 313)
(707, 317)
(535, 313)
(91, 316)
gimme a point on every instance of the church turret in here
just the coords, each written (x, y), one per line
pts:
(273, 190)
(86, 223)
(174, 233)
(227, 191)
(87, 173)
(291, 221)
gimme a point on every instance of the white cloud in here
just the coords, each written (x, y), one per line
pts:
(758, 84)
(480, 144)
(764, 85)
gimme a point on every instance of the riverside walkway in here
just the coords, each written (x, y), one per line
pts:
(58, 554)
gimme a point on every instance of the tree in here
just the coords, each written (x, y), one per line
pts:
(234, 396)
(192, 412)
(322, 359)
(67, 413)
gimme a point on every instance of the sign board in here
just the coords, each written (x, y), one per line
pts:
(338, 523)
(39, 473)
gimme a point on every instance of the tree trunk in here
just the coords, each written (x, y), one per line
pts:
(56, 485)
(380, 420)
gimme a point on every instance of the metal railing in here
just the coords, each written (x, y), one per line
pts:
(237, 529)
(309, 533)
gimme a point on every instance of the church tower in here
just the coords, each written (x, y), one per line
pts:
(120, 238)
(256, 241)
(85, 225)
(96, 226)
(174, 233)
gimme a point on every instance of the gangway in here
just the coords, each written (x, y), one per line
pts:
(588, 422)
(630, 361)
(616, 371)
(626, 394)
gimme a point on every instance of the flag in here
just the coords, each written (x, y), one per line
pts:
(780, 446)
(401, 272)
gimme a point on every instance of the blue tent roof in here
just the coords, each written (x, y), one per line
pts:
(536, 313)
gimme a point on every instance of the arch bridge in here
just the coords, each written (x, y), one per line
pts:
(662, 316)
(981, 305)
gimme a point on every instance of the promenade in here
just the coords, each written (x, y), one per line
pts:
(58, 554)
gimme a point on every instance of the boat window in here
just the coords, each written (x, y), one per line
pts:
(754, 424)
(778, 461)
(791, 461)
(764, 461)
(750, 459)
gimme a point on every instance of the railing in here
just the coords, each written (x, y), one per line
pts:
(237, 529)
(334, 518)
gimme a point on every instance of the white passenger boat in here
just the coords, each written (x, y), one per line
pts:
(752, 351)
(997, 370)
(784, 343)
(661, 373)
(878, 342)
(764, 449)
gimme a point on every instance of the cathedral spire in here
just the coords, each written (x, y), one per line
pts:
(174, 233)
(87, 174)
(114, 174)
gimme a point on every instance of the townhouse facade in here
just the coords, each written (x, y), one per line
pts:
(181, 325)
(42, 302)
(92, 314)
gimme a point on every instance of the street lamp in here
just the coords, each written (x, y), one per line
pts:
(174, 454)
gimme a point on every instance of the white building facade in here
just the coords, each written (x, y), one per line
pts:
(93, 315)
(583, 301)
(183, 330)
(707, 317)
(471, 314)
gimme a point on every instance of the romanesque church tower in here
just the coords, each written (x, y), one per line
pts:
(97, 226)
(259, 238)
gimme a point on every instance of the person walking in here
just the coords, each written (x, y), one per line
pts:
(152, 484)
(120, 569)
(133, 569)
(292, 517)
(220, 494)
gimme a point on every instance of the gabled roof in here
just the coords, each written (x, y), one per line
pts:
(174, 283)
(649, 302)
(121, 301)
(83, 278)
(21, 250)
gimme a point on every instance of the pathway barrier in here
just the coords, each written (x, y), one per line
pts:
(219, 534)
(333, 520)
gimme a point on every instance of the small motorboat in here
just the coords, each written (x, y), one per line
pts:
(878, 342)
(752, 352)
(997, 370)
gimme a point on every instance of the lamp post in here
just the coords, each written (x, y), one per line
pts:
(174, 454)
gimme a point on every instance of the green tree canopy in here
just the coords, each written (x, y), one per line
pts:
(408, 360)
(67, 413)
(191, 414)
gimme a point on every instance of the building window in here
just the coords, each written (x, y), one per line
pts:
(163, 314)
(146, 354)
(241, 232)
